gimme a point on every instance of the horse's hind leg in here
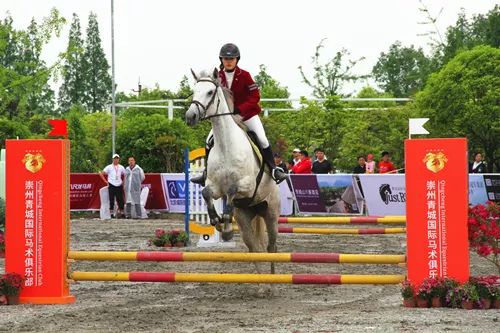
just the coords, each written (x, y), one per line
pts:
(271, 217)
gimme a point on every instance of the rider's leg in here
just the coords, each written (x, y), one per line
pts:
(208, 145)
(255, 125)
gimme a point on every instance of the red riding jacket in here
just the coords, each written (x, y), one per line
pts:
(245, 92)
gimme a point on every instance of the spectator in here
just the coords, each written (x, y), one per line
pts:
(304, 166)
(321, 165)
(279, 162)
(478, 166)
(295, 156)
(134, 176)
(361, 167)
(370, 164)
(385, 165)
(112, 176)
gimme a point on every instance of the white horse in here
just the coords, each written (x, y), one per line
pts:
(233, 169)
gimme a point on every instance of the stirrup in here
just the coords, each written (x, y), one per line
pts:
(279, 175)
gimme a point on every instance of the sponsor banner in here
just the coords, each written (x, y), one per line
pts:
(84, 191)
(286, 198)
(326, 194)
(477, 189)
(174, 187)
(492, 183)
(384, 194)
(437, 209)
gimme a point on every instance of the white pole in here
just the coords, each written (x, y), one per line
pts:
(113, 111)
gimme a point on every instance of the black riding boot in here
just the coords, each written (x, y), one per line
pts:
(200, 180)
(277, 173)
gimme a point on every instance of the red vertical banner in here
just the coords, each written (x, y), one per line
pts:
(436, 209)
(37, 218)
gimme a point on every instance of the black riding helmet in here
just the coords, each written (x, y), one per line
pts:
(229, 50)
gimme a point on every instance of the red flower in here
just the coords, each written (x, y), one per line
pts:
(484, 250)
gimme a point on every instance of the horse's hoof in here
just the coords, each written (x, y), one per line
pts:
(218, 227)
(227, 235)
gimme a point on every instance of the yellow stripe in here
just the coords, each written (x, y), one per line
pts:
(233, 278)
(197, 153)
(99, 276)
(234, 256)
(102, 255)
(319, 220)
(372, 258)
(395, 230)
(392, 219)
(371, 279)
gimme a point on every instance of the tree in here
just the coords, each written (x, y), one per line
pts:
(462, 100)
(81, 149)
(97, 78)
(402, 71)
(328, 78)
(72, 90)
(271, 88)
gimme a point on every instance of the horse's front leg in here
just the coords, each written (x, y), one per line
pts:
(227, 217)
(208, 196)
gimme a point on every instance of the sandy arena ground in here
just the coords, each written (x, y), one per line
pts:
(203, 307)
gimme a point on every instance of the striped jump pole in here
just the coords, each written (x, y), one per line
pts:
(342, 231)
(297, 257)
(344, 220)
(209, 230)
(236, 278)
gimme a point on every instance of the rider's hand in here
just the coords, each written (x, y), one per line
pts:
(236, 111)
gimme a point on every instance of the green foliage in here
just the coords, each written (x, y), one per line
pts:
(72, 90)
(402, 71)
(270, 88)
(462, 100)
(466, 34)
(328, 78)
(11, 129)
(97, 78)
(82, 154)
(156, 142)
(97, 127)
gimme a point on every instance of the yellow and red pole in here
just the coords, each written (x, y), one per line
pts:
(344, 219)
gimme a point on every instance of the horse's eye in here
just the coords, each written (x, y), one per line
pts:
(210, 93)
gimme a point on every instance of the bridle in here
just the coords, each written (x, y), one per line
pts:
(212, 100)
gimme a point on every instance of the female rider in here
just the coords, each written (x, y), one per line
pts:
(246, 103)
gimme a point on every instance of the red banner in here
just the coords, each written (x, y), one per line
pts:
(436, 209)
(85, 188)
(37, 216)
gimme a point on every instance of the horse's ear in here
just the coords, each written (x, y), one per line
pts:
(216, 73)
(194, 75)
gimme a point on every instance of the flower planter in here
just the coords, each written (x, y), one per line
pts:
(496, 304)
(422, 302)
(179, 244)
(3, 300)
(2, 254)
(168, 245)
(467, 305)
(436, 302)
(409, 302)
(484, 303)
(13, 300)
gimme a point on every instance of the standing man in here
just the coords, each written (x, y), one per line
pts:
(385, 165)
(321, 165)
(361, 167)
(304, 166)
(134, 176)
(295, 157)
(478, 166)
(112, 176)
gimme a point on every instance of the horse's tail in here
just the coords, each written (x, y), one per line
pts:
(259, 231)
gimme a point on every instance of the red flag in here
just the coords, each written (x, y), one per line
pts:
(59, 127)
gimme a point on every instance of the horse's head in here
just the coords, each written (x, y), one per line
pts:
(205, 100)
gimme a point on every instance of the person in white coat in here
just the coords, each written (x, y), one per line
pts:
(134, 176)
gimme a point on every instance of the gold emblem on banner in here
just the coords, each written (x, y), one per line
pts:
(33, 162)
(435, 162)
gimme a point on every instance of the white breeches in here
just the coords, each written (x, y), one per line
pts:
(255, 125)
